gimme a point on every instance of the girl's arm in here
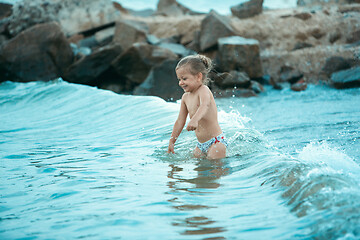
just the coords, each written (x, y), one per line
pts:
(205, 99)
(178, 126)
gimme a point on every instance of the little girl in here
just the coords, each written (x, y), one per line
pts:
(199, 103)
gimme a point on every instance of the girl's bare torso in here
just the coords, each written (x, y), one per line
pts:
(208, 126)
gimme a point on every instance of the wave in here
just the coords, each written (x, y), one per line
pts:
(320, 185)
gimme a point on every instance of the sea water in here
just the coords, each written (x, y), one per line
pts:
(80, 162)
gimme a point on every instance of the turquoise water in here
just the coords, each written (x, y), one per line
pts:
(79, 162)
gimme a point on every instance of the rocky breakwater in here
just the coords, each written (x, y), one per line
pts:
(99, 43)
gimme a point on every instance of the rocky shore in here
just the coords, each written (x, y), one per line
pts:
(100, 43)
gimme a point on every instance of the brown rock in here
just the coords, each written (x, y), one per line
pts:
(317, 33)
(299, 86)
(120, 8)
(5, 10)
(39, 53)
(162, 82)
(136, 62)
(172, 8)
(89, 68)
(303, 16)
(301, 36)
(247, 9)
(213, 27)
(334, 37)
(128, 32)
(241, 54)
(354, 37)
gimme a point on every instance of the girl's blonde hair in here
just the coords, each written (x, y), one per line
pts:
(197, 63)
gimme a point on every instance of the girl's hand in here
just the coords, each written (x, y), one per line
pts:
(192, 125)
(171, 148)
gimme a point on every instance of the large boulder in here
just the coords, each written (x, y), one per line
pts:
(73, 16)
(213, 27)
(89, 68)
(241, 54)
(136, 62)
(349, 78)
(172, 8)
(39, 53)
(247, 9)
(162, 82)
(128, 32)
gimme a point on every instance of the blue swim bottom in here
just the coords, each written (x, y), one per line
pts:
(204, 147)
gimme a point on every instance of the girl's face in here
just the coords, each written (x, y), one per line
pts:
(187, 81)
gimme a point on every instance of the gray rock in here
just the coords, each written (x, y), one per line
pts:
(256, 87)
(73, 16)
(247, 9)
(161, 82)
(41, 52)
(349, 78)
(213, 27)
(289, 74)
(241, 54)
(335, 64)
(89, 68)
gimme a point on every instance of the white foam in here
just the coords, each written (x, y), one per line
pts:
(329, 156)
